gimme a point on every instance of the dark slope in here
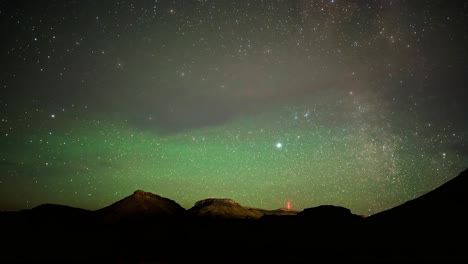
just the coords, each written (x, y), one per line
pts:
(430, 227)
(57, 215)
(446, 204)
(47, 233)
(46, 216)
(57, 210)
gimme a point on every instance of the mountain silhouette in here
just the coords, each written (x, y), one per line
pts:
(329, 214)
(46, 216)
(146, 227)
(141, 205)
(56, 214)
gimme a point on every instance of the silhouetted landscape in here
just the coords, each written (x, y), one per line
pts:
(236, 131)
(147, 228)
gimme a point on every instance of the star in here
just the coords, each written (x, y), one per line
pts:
(279, 145)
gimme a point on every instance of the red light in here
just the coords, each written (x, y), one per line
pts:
(288, 205)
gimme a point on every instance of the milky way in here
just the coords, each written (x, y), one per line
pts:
(352, 103)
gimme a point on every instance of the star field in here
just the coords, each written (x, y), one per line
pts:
(352, 103)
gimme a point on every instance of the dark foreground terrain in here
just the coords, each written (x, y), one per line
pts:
(147, 228)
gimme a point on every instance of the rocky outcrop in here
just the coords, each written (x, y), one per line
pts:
(223, 208)
(212, 201)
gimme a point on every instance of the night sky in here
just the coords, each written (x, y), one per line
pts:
(359, 104)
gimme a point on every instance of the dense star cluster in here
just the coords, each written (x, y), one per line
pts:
(353, 103)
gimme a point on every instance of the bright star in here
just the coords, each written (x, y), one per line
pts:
(279, 145)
